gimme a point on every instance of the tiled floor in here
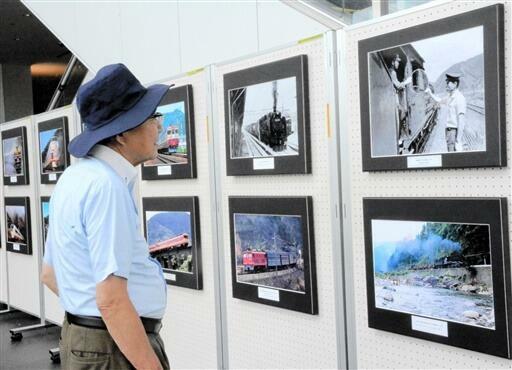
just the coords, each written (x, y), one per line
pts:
(32, 352)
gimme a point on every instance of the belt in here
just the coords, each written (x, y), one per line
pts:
(151, 326)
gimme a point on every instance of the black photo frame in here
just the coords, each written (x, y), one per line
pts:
(53, 139)
(403, 126)
(279, 104)
(15, 159)
(282, 272)
(179, 164)
(18, 225)
(183, 214)
(45, 219)
(439, 269)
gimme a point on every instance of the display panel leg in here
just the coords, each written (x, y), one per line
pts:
(7, 310)
(17, 333)
(55, 355)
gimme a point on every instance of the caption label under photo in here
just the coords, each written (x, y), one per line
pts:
(164, 170)
(425, 161)
(263, 164)
(430, 326)
(270, 294)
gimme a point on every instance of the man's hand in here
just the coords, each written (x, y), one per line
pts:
(124, 324)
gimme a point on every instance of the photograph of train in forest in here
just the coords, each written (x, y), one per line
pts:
(169, 239)
(13, 156)
(268, 251)
(52, 150)
(263, 119)
(16, 224)
(172, 141)
(434, 269)
(428, 96)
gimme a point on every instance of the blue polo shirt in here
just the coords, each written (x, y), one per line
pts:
(95, 231)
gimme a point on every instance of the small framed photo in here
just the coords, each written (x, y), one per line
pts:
(15, 156)
(17, 220)
(439, 269)
(433, 95)
(176, 142)
(171, 228)
(272, 251)
(53, 149)
(267, 119)
(45, 219)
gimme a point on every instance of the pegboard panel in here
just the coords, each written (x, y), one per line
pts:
(4, 297)
(189, 328)
(379, 349)
(53, 311)
(261, 336)
(23, 271)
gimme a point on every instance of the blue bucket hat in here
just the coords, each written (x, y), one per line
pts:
(114, 101)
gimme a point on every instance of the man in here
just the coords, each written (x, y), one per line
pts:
(400, 95)
(96, 259)
(456, 115)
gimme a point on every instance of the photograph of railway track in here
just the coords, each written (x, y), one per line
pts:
(52, 150)
(432, 269)
(16, 224)
(428, 96)
(169, 236)
(269, 251)
(172, 142)
(263, 119)
(13, 156)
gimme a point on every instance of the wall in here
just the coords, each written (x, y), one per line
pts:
(158, 39)
(17, 91)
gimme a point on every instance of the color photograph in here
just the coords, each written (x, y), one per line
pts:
(170, 240)
(52, 149)
(45, 213)
(13, 156)
(428, 96)
(433, 269)
(172, 141)
(16, 224)
(269, 251)
(263, 119)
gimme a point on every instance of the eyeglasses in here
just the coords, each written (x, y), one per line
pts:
(159, 117)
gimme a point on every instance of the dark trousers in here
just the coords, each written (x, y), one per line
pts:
(84, 348)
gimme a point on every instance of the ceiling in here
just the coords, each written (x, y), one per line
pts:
(24, 39)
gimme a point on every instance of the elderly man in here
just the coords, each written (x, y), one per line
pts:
(96, 259)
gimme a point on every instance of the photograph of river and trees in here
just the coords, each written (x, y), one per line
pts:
(434, 269)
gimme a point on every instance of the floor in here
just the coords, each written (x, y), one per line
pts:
(31, 353)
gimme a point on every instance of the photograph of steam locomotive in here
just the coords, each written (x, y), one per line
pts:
(269, 251)
(45, 217)
(439, 269)
(16, 224)
(13, 156)
(171, 228)
(52, 150)
(434, 90)
(273, 252)
(263, 119)
(266, 115)
(433, 269)
(172, 141)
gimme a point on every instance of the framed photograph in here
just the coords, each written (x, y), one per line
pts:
(17, 225)
(272, 251)
(45, 219)
(176, 143)
(171, 228)
(15, 156)
(439, 269)
(267, 119)
(433, 95)
(53, 149)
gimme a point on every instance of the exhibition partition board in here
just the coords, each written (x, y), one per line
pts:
(278, 314)
(57, 124)
(369, 347)
(4, 296)
(176, 218)
(20, 237)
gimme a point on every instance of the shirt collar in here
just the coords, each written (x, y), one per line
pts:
(115, 160)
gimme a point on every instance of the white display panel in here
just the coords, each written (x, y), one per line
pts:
(373, 348)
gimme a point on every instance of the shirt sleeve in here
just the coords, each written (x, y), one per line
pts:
(107, 220)
(461, 105)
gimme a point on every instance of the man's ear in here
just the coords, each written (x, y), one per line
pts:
(120, 139)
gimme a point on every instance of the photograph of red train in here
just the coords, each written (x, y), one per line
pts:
(269, 251)
(169, 239)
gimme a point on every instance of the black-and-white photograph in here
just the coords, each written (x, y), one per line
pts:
(439, 269)
(267, 119)
(263, 119)
(431, 95)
